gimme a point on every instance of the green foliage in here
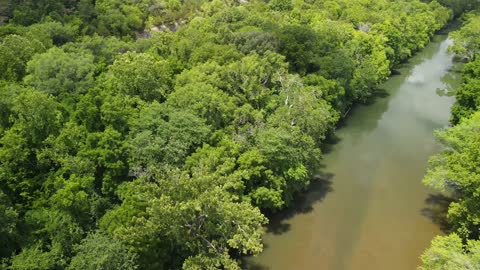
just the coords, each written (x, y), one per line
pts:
(281, 5)
(300, 45)
(8, 226)
(161, 152)
(98, 251)
(34, 258)
(34, 117)
(454, 171)
(27, 12)
(258, 41)
(204, 100)
(449, 253)
(16, 52)
(52, 232)
(303, 107)
(468, 100)
(459, 6)
(196, 213)
(466, 45)
(118, 17)
(61, 74)
(140, 74)
(53, 33)
(162, 137)
(467, 39)
(104, 50)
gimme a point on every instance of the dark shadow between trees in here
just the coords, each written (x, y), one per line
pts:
(436, 210)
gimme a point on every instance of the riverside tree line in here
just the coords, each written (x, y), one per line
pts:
(456, 170)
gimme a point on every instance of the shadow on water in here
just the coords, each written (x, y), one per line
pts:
(395, 71)
(436, 210)
(253, 266)
(329, 143)
(303, 204)
(378, 93)
(452, 26)
(376, 96)
(451, 80)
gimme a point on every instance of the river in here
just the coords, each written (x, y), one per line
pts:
(370, 211)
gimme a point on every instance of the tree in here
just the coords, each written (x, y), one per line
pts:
(281, 5)
(118, 18)
(140, 74)
(303, 107)
(98, 251)
(28, 12)
(299, 44)
(50, 239)
(8, 93)
(459, 6)
(256, 40)
(454, 171)
(35, 117)
(164, 137)
(292, 157)
(468, 95)
(9, 233)
(371, 65)
(60, 73)
(204, 100)
(253, 78)
(103, 49)
(468, 100)
(52, 33)
(193, 217)
(449, 253)
(467, 39)
(35, 258)
(16, 52)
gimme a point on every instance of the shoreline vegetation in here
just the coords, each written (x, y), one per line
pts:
(166, 152)
(454, 171)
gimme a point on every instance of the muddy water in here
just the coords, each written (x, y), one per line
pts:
(371, 211)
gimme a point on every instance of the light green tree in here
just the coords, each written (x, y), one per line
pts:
(449, 253)
(16, 51)
(60, 73)
(140, 74)
(98, 251)
(454, 172)
(467, 39)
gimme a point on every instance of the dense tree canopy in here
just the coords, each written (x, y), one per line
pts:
(152, 134)
(454, 171)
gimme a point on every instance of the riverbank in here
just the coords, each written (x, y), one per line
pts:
(370, 210)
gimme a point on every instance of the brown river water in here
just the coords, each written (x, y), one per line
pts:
(370, 211)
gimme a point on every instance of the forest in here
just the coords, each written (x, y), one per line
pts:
(160, 134)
